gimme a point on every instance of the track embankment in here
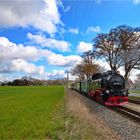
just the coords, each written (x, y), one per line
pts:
(105, 121)
(81, 107)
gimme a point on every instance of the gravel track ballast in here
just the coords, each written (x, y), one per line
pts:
(126, 128)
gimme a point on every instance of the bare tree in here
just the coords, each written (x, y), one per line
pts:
(120, 47)
(78, 70)
(87, 67)
(104, 47)
(127, 39)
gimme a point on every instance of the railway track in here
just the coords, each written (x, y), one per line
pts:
(129, 113)
(134, 101)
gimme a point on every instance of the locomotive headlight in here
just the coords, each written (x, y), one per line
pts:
(107, 91)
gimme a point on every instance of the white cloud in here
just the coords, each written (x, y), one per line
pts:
(21, 59)
(103, 64)
(60, 45)
(4, 77)
(136, 1)
(41, 14)
(20, 65)
(11, 51)
(5, 42)
(133, 73)
(26, 67)
(63, 61)
(93, 29)
(65, 9)
(73, 30)
(55, 74)
(84, 47)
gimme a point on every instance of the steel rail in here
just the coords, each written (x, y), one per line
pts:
(129, 113)
(132, 114)
(134, 101)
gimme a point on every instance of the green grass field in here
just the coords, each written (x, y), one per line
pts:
(135, 91)
(30, 112)
(44, 112)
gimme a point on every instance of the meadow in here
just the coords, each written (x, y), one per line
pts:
(30, 112)
(45, 112)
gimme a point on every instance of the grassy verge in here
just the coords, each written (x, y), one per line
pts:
(73, 127)
(135, 91)
(82, 123)
(134, 97)
(70, 126)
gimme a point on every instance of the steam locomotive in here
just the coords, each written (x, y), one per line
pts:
(107, 87)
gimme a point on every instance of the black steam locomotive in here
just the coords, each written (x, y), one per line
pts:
(107, 87)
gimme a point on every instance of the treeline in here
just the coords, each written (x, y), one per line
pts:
(29, 81)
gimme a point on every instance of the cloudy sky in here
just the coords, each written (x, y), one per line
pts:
(44, 38)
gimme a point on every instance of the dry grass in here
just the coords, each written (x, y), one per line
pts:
(85, 125)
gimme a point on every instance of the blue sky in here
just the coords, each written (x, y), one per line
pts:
(43, 38)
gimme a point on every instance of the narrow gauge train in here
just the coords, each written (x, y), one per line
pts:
(107, 87)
